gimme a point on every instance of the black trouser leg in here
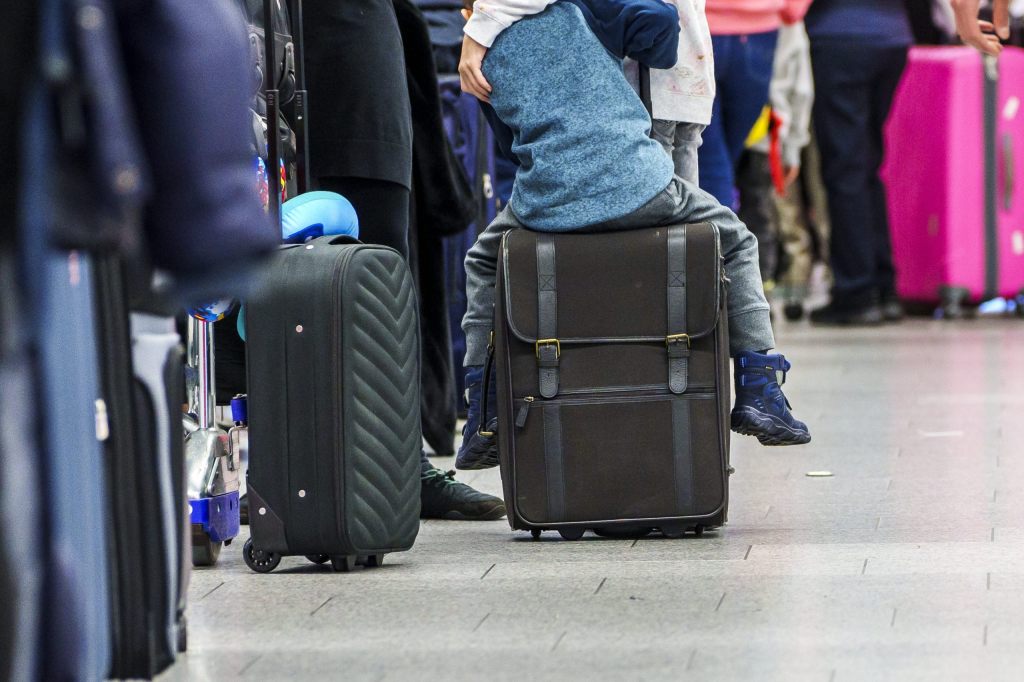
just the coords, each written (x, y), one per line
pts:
(757, 208)
(850, 80)
(382, 207)
(885, 88)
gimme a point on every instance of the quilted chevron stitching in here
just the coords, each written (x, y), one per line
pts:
(384, 413)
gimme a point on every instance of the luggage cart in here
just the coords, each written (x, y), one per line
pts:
(214, 469)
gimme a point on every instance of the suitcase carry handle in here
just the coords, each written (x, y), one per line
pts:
(301, 106)
(1009, 180)
(342, 239)
(645, 89)
(271, 94)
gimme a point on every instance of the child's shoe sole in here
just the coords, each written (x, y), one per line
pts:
(478, 452)
(473, 460)
(768, 429)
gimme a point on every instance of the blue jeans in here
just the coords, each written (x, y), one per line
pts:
(743, 72)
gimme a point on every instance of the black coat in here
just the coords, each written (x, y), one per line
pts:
(17, 57)
(442, 204)
(359, 104)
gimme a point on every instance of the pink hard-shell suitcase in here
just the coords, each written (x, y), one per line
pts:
(954, 150)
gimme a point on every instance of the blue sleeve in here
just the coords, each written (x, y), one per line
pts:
(502, 133)
(644, 30)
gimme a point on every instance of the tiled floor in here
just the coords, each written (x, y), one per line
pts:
(906, 564)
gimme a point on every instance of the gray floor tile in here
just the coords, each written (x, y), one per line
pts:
(906, 564)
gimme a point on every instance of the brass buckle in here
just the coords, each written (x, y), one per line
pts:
(485, 434)
(677, 338)
(548, 342)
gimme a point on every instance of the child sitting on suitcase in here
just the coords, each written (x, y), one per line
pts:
(587, 163)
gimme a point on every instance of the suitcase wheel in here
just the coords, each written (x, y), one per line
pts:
(205, 551)
(571, 533)
(343, 563)
(673, 532)
(182, 636)
(259, 560)
(373, 560)
(698, 530)
(953, 300)
(318, 558)
(536, 533)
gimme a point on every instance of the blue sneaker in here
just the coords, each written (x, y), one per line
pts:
(479, 449)
(761, 408)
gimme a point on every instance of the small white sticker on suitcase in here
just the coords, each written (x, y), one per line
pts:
(1018, 243)
(1011, 108)
(102, 423)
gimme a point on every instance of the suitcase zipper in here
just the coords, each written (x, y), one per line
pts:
(523, 413)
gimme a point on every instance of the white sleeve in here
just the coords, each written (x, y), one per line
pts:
(792, 91)
(491, 17)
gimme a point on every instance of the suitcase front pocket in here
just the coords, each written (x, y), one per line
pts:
(618, 458)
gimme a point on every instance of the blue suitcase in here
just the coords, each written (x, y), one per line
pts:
(76, 630)
(20, 490)
(59, 320)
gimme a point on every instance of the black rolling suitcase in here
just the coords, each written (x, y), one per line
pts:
(333, 355)
(334, 421)
(143, 384)
(613, 380)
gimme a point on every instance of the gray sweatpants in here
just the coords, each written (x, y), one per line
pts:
(680, 141)
(750, 328)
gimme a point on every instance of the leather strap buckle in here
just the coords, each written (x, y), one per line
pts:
(542, 343)
(677, 338)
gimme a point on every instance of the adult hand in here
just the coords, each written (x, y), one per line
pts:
(982, 35)
(470, 74)
(792, 173)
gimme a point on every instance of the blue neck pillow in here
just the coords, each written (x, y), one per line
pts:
(315, 214)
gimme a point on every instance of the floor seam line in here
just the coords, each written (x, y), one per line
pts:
(321, 606)
(250, 664)
(488, 615)
(212, 591)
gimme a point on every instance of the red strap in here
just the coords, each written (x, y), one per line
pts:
(775, 155)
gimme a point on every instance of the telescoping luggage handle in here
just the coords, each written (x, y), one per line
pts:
(301, 103)
(645, 89)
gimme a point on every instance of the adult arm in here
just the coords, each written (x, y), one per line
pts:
(792, 92)
(644, 30)
(982, 35)
(794, 11)
(489, 19)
